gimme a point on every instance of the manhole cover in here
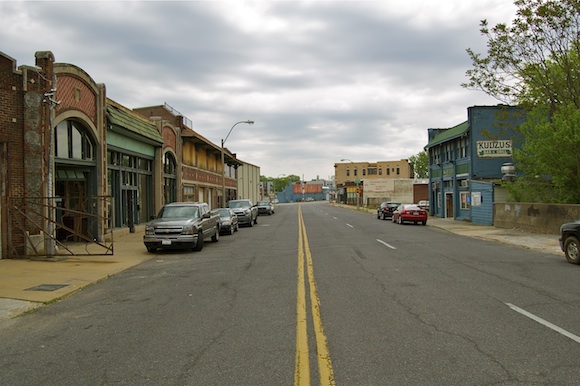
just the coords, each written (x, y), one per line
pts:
(47, 287)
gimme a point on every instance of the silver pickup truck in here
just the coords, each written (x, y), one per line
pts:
(181, 225)
(246, 211)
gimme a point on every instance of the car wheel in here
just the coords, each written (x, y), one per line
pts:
(424, 222)
(216, 237)
(378, 216)
(199, 246)
(151, 249)
(571, 248)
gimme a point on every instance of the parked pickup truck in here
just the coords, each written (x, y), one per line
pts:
(182, 225)
(246, 211)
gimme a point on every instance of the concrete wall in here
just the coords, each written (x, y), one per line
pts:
(376, 191)
(538, 218)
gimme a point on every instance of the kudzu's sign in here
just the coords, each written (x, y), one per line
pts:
(497, 148)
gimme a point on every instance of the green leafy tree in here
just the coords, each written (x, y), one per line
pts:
(549, 159)
(535, 62)
(280, 182)
(420, 164)
(535, 58)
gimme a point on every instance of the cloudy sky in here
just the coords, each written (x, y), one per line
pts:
(323, 80)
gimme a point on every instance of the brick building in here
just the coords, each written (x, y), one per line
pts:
(74, 164)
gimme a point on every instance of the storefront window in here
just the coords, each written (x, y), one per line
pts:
(130, 183)
(465, 200)
(169, 178)
(73, 141)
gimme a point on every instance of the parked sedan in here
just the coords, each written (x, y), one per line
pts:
(228, 221)
(386, 209)
(569, 236)
(265, 207)
(410, 213)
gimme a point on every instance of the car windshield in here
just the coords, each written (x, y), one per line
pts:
(179, 212)
(412, 207)
(224, 213)
(262, 203)
(238, 204)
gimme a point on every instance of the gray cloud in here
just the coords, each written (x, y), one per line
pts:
(323, 80)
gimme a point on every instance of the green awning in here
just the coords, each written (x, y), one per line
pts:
(70, 175)
(130, 123)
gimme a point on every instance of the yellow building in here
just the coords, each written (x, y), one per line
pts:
(352, 171)
(350, 178)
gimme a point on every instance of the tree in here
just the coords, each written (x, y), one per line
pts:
(420, 164)
(535, 63)
(549, 159)
(533, 60)
(280, 182)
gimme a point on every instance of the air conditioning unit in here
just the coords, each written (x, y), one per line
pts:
(464, 183)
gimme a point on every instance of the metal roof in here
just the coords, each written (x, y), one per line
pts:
(451, 133)
(127, 122)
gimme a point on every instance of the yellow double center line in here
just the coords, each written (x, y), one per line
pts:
(302, 367)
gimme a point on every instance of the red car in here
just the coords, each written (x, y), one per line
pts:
(410, 213)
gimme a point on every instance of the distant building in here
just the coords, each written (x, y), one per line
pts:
(352, 171)
(368, 184)
(317, 190)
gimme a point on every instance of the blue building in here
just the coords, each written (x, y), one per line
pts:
(465, 162)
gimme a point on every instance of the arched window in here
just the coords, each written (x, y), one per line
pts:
(73, 141)
(169, 178)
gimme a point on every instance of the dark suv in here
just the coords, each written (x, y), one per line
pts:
(569, 236)
(386, 209)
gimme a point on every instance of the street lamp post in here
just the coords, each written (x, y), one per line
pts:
(224, 161)
(357, 184)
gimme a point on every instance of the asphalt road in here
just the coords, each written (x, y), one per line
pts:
(315, 295)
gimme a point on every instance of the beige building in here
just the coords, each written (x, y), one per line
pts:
(353, 171)
(249, 182)
(353, 179)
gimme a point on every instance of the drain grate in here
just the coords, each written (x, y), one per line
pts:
(47, 287)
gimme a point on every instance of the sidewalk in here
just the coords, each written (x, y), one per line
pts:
(28, 284)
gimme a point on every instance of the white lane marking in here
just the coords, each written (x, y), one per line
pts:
(544, 322)
(348, 225)
(386, 244)
(336, 218)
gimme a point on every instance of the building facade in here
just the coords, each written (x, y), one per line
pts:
(134, 147)
(353, 171)
(198, 174)
(465, 162)
(248, 182)
(74, 164)
(351, 178)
